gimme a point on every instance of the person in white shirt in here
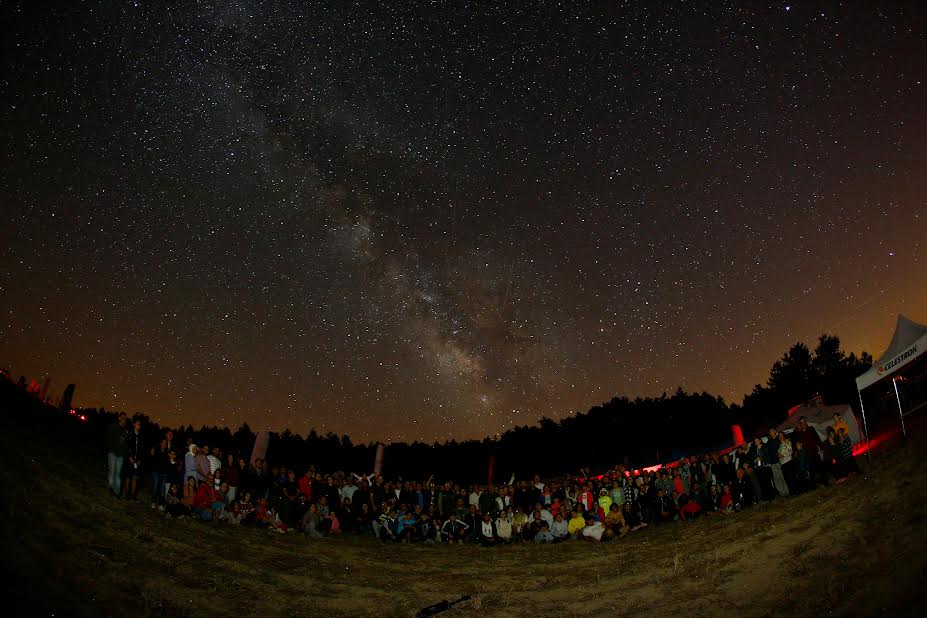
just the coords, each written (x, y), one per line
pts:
(487, 531)
(214, 462)
(593, 530)
(347, 490)
(504, 528)
(548, 517)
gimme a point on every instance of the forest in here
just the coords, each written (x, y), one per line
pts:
(638, 432)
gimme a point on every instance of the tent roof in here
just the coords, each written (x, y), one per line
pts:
(816, 415)
(907, 331)
(908, 342)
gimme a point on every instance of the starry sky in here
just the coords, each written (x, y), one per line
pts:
(432, 220)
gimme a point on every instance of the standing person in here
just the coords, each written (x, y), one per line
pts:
(136, 451)
(158, 473)
(231, 474)
(754, 481)
(785, 459)
(801, 468)
(771, 459)
(846, 451)
(245, 477)
(169, 438)
(189, 463)
(117, 449)
(832, 457)
(839, 424)
(173, 471)
(202, 465)
(814, 448)
(215, 462)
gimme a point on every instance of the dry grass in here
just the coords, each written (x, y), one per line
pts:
(857, 549)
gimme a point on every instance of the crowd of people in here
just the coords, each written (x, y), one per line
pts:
(201, 482)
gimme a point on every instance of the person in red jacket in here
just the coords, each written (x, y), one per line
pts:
(585, 499)
(305, 485)
(208, 503)
(727, 501)
(689, 509)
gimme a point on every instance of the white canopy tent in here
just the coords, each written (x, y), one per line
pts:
(908, 343)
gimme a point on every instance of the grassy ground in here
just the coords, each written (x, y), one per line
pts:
(855, 550)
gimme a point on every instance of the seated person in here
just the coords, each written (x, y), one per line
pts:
(453, 530)
(244, 509)
(560, 529)
(487, 531)
(727, 500)
(405, 527)
(519, 523)
(173, 506)
(535, 525)
(690, 509)
(664, 507)
(389, 525)
(504, 528)
(543, 534)
(615, 525)
(593, 530)
(576, 524)
(310, 522)
(208, 503)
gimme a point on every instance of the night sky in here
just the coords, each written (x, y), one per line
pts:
(441, 219)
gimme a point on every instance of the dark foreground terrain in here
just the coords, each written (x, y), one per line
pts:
(71, 549)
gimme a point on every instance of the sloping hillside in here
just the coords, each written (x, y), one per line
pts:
(70, 548)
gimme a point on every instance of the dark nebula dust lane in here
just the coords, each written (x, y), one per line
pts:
(434, 220)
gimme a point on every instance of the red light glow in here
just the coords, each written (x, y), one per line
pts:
(738, 434)
(875, 442)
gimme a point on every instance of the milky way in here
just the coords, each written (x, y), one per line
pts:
(443, 219)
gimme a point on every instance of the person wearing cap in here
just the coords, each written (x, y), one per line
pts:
(605, 501)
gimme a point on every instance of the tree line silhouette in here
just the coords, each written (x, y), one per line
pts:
(638, 432)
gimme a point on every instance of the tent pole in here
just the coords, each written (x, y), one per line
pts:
(900, 413)
(862, 409)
